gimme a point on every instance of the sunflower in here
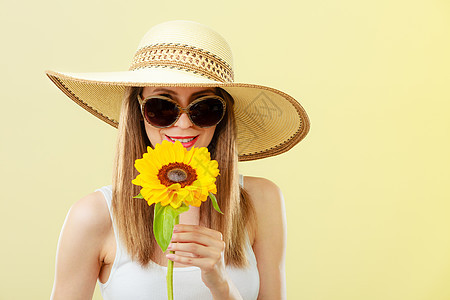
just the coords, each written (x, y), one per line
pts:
(169, 174)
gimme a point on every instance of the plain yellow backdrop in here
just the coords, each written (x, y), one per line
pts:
(367, 192)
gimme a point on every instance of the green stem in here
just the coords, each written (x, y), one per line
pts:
(169, 275)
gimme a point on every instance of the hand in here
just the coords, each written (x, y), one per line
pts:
(201, 247)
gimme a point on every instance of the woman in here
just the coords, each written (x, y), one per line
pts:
(107, 235)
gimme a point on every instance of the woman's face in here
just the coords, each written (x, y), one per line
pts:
(183, 128)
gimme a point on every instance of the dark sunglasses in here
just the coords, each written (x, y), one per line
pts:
(162, 112)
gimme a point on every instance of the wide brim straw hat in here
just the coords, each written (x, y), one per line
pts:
(188, 54)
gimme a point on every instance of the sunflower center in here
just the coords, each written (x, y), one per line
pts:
(177, 173)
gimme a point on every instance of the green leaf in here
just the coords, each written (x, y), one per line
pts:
(164, 221)
(139, 196)
(214, 202)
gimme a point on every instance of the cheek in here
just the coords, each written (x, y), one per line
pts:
(153, 134)
(209, 133)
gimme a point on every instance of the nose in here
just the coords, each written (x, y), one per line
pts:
(183, 121)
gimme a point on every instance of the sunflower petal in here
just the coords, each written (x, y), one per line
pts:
(168, 151)
(150, 202)
(146, 165)
(148, 193)
(189, 198)
(176, 202)
(166, 200)
(174, 187)
(174, 205)
(188, 156)
(179, 152)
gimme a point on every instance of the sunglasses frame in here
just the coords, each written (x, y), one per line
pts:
(181, 110)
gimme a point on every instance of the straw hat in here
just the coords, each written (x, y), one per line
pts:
(189, 54)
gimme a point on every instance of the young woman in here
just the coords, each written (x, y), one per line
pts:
(180, 88)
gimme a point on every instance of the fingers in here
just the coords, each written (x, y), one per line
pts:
(197, 250)
(189, 249)
(200, 229)
(206, 264)
(196, 237)
(197, 234)
(197, 246)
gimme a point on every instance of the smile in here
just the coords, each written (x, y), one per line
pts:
(185, 141)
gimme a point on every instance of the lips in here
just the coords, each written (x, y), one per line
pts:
(186, 141)
(182, 137)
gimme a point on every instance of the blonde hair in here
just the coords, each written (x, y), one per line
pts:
(134, 218)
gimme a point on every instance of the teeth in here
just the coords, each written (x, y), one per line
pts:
(182, 140)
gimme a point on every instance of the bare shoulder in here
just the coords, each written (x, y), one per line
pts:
(81, 247)
(268, 202)
(88, 222)
(265, 194)
(91, 212)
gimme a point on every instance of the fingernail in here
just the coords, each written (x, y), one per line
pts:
(170, 246)
(170, 256)
(175, 228)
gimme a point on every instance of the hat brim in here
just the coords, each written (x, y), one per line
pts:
(269, 122)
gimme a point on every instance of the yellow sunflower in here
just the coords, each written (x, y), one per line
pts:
(169, 174)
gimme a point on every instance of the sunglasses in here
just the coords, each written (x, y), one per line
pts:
(161, 111)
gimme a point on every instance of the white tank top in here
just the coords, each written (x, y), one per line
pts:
(129, 280)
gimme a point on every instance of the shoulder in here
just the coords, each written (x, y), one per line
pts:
(265, 194)
(88, 220)
(268, 201)
(90, 212)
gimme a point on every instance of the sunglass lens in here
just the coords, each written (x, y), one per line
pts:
(160, 112)
(207, 112)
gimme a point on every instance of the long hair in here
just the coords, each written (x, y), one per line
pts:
(134, 218)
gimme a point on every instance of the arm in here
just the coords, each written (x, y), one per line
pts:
(78, 259)
(270, 239)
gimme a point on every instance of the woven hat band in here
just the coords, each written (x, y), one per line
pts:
(183, 57)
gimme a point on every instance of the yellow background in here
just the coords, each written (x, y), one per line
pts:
(367, 192)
